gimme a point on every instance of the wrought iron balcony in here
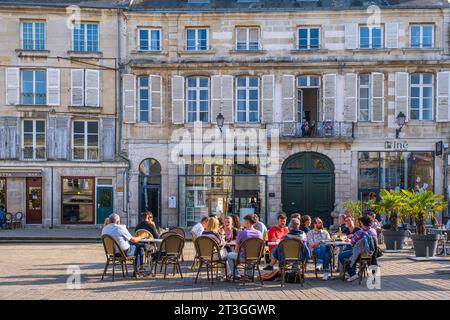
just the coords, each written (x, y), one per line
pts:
(322, 129)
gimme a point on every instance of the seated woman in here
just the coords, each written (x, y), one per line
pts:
(213, 231)
(229, 230)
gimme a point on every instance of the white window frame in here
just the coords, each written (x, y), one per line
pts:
(371, 37)
(149, 31)
(247, 38)
(197, 88)
(421, 26)
(33, 22)
(247, 89)
(85, 48)
(421, 85)
(86, 134)
(308, 39)
(34, 133)
(149, 86)
(34, 86)
(369, 98)
(197, 44)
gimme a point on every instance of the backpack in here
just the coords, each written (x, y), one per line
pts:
(292, 277)
(269, 276)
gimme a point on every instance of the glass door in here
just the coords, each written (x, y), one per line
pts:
(34, 201)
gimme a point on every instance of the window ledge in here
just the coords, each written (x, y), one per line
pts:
(150, 52)
(85, 54)
(416, 50)
(199, 52)
(85, 109)
(27, 107)
(247, 124)
(248, 51)
(370, 50)
(309, 51)
(369, 124)
(420, 123)
(32, 53)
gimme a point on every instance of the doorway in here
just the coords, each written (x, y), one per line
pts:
(150, 189)
(34, 200)
(105, 203)
(308, 98)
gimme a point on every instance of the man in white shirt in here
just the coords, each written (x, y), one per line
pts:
(200, 227)
(128, 243)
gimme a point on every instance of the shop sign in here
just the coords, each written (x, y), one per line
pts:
(172, 202)
(20, 174)
(396, 145)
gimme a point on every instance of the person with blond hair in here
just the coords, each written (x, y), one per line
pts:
(212, 231)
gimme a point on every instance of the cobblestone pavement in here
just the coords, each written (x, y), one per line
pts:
(40, 271)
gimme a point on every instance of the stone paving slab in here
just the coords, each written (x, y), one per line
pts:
(40, 271)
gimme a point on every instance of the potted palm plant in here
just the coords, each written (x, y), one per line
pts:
(355, 208)
(421, 206)
(392, 204)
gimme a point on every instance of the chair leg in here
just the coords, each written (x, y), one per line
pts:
(106, 268)
(114, 265)
(179, 269)
(165, 268)
(259, 274)
(282, 275)
(123, 271)
(198, 271)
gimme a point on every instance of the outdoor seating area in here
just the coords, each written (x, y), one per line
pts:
(9, 220)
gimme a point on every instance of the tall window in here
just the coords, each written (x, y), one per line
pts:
(85, 140)
(247, 39)
(144, 99)
(33, 35)
(364, 97)
(196, 39)
(149, 39)
(421, 36)
(308, 38)
(247, 99)
(370, 37)
(34, 87)
(85, 37)
(421, 96)
(33, 139)
(197, 99)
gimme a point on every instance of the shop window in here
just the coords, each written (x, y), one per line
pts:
(78, 200)
(3, 192)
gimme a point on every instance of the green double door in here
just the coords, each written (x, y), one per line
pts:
(308, 185)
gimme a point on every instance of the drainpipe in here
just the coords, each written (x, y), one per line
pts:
(51, 221)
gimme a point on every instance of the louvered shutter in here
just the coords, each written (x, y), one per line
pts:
(12, 86)
(351, 36)
(129, 98)
(392, 35)
(268, 92)
(227, 99)
(177, 100)
(402, 94)
(350, 97)
(92, 88)
(377, 97)
(77, 87)
(216, 96)
(329, 97)
(288, 98)
(443, 92)
(156, 99)
(108, 139)
(53, 87)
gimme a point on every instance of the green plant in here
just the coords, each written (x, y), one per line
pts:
(392, 204)
(421, 205)
(355, 208)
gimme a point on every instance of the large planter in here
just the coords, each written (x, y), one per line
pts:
(394, 240)
(425, 245)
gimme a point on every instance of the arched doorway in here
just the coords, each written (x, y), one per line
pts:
(150, 188)
(307, 185)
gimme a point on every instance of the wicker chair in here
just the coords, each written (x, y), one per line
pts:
(252, 250)
(181, 233)
(115, 255)
(149, 248)
(208, 254)
(362, 263)
(17, 220)
(169, 253)
(9, 220)
(195, 261)
(292, 250)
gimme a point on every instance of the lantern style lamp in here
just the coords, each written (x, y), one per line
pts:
(401, 119)
(220, 120)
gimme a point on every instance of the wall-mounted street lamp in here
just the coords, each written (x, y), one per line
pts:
(220, 120)
(401, 119)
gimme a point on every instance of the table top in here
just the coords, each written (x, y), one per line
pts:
(336, 243)
(438, 229)
(151, 240)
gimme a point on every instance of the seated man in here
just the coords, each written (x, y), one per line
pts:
(365, 230)
(259, 225)
(148, 224)
(248, 233)
(319, 250)
(200, 226)
(129, 244)
(276, 234)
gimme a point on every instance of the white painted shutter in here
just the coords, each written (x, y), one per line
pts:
(92, 88)
(288, 98)
(178, 99)
(156, 99)
(50, 137)
(392, 35)
(329, 97)
(2, 139)
(216, 96)
(377, 97)
(443, 93)
(129, 98)
(351, 36)
(268, 92)
(77, 87)
(12, 86)
(351, 97)
(12, 138)
(402, 94)
(62, 138)
(53, 87)
(227, 99)
(108, 135)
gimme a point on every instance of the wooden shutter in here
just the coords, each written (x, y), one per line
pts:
(351, 36)
(443, 92)
(12, 86)
(129, 98)
(53, 87)
(227, 99)
(156, 99)
(351, 97)
(216, 96)
(377, 97)
(288, 98)
(108, 139)
(2, 139)
(402, 94)
(50, 138)
(329, 97)
(92, 88)
(77, 87)
(12, 143)
(268, 92)
(178, 100)
(62, 138)
(392, 35)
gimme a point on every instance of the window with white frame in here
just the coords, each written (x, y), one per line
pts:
(33, 138)
(247, 99)
(364, 97)
(85, 140)
(33, 35)
(421, 36)
(421, 96)
(197, 99)
(33, 87)
(370, 37)
(196, 39)
(308, 38)
(85, 37)
(149, 39)
(247, 38)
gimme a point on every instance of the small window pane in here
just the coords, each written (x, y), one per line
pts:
(92, 127)
(78, 127)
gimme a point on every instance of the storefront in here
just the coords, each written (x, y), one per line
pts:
(3, 202)
(77, 200)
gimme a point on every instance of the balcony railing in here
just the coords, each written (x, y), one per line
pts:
(322, 129)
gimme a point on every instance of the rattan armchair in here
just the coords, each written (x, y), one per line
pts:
(115, 255)
(252, 249)
(169, 253)
(208, 255)
(292, 254)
